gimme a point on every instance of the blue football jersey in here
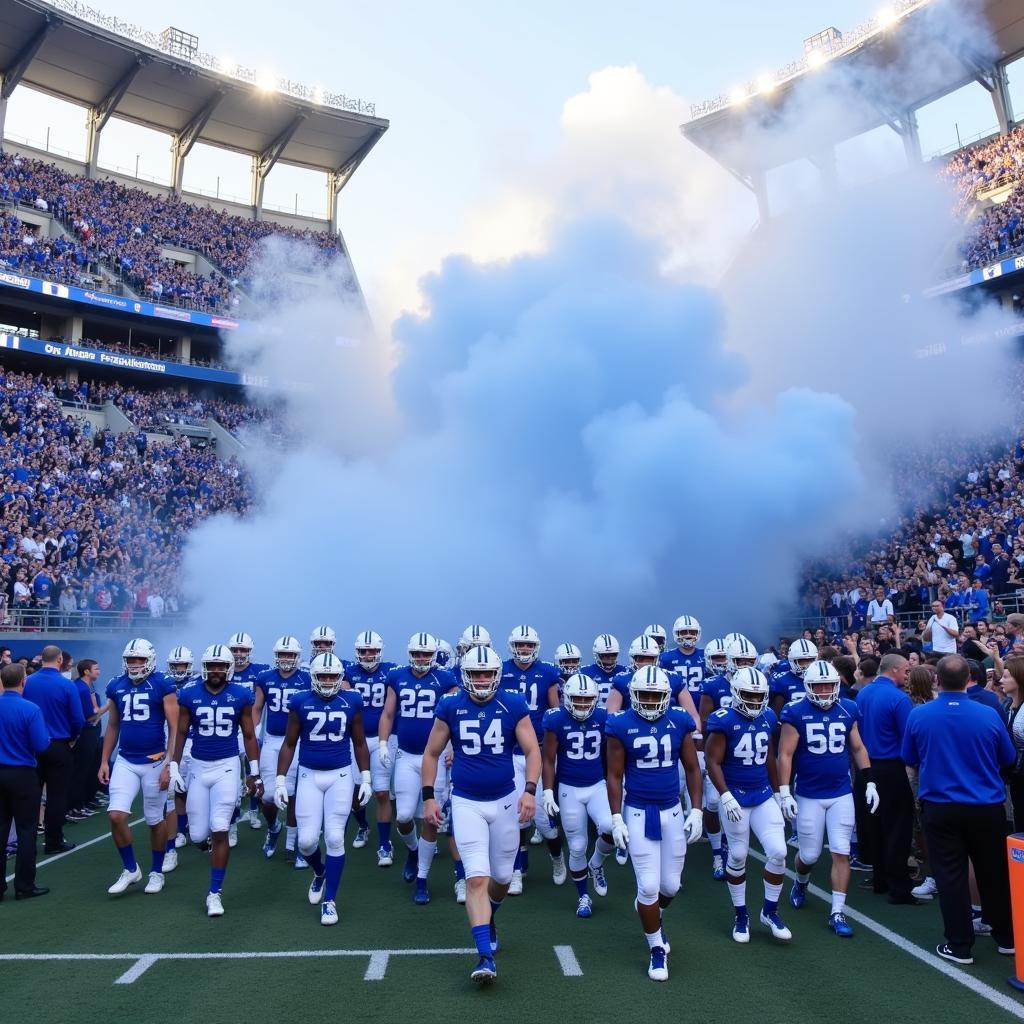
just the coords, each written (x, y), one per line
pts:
(580, 746)
(417, 698)
(821, 764)
(621, 685)
(373, 688)
(142, 736)
(603, 680)
(277, 692)
(325, 740)
(717, 688)
(483, 741)
(745, 765)
(788, 685)
(689, 668)
(248, 675)
(215, 719)
(533, 684)
(652, 754)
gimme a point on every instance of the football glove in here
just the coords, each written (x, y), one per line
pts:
(620, 834)
(176, 783)
(871, 797)
(731, 806)
(281, 792)
(384, 756)
(365, 789)
(787, 803)
(550, 807)
(693, 827)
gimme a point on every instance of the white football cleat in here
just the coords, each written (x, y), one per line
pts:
(155, 883)
(460, 890)
(515, 886)
(170, 861)
(316, 889)
(214, 905)
(328, 912)
(385, 856)
(125, 879)
(180, 840)
(361, 839)
(255, 822)
(558, 872)
(233, 834)
(775, 925)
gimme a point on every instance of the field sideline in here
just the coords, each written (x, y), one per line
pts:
(269, 957)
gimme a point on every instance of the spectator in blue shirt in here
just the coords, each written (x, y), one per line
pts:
(23, 737)
(884, 707)
(962, 747)
(979, 603)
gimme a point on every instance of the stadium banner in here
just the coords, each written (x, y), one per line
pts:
(1003, 268)
(115, 303)
(123, 361)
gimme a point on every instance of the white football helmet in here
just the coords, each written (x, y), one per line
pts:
(472, 636)
(325, 673)
(802, 654)
(715, 659)
(369, 648)
(179, 664)
(322, 639)
(643, 651)
(749, 689)
(820, 674)
(445, 655)
(686, 630)
(287, 652)
(580, 695)
(767, 662)
(740, 653)
(422, 653)
(568, 659)
(481, 672)
(658, 634)
(729, 637)
(241, 647)
(650, 692)
(138, 650)
(218, 655)
(524, 645)
(606, 652)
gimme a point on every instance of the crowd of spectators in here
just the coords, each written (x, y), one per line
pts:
(149, 351)
(125, 227)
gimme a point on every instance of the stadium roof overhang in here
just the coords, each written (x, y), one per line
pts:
(48, 49)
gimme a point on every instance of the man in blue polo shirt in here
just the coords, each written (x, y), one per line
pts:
(61, 706)
(961, 746)
(884, 707)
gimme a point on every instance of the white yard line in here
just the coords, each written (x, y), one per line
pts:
(568, 962)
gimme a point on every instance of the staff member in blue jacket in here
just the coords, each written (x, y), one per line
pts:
(961, 747)
(23, 737)
(61, 706)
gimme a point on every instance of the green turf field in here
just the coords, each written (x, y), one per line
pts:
(815, 977)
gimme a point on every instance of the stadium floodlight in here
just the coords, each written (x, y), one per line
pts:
(886, 17)
(766, 84)
(815, 59)
(738, 95)
(266, 81)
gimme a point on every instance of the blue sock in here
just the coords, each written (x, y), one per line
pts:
(518, 864)
(128, 857)
(183, 824)
(315, 861)
(770, 906)
(482, 938)
(158, 860)
(234, 814)
(169, 845)
(254, 803)
(524, 862)
(581, 885)
(335, 866)
(217, 878)
(360, 813)
(384, 833)
(460, 870)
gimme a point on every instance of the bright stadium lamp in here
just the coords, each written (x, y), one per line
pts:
(765, 84)
(815, 59)
(886, 17)
(738, 95)
(266, 81)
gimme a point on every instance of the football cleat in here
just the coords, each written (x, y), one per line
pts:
(316, 889)
(775, 925)
(600, 882)
(180, 840)
(718, 868)
(485, 971)
(270, 843)
(658, 969)
(155, 883)
(385, 856)
(536, 839)
(558, 872)
(585, 907)
(255, 822)
(460, 890)
(422, 895)
(621, 856)
(214, 905)
(361, 838)
(515, 886)
(301, 864)
(837, 923)
(798, 895)
(170, 861)
(125, 879)
(412, 863)
(233, 834)
(741, 927)
(328, 913)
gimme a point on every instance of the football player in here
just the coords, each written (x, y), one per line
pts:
(247, 672)
(472, 636)
(567, 660)
(789, 685)
(687, 660)
(329, 722)
(819, 735)
(645, 744)
(181, 670)
(322, 640)
(143, 721)
(445, 656)
(739, 752)
(574, 753)
(217, 710)
(715, 693)
(606, 665)
(368, 675)
(484, 725)
(526, 674)
(643, 653)
(274, 689)
(413, 693)
(658, 635)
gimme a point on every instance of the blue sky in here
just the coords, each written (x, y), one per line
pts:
(474, 93)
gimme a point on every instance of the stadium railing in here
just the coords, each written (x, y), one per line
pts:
(54, 620)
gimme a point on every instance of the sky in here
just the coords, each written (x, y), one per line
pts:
(476, 95)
